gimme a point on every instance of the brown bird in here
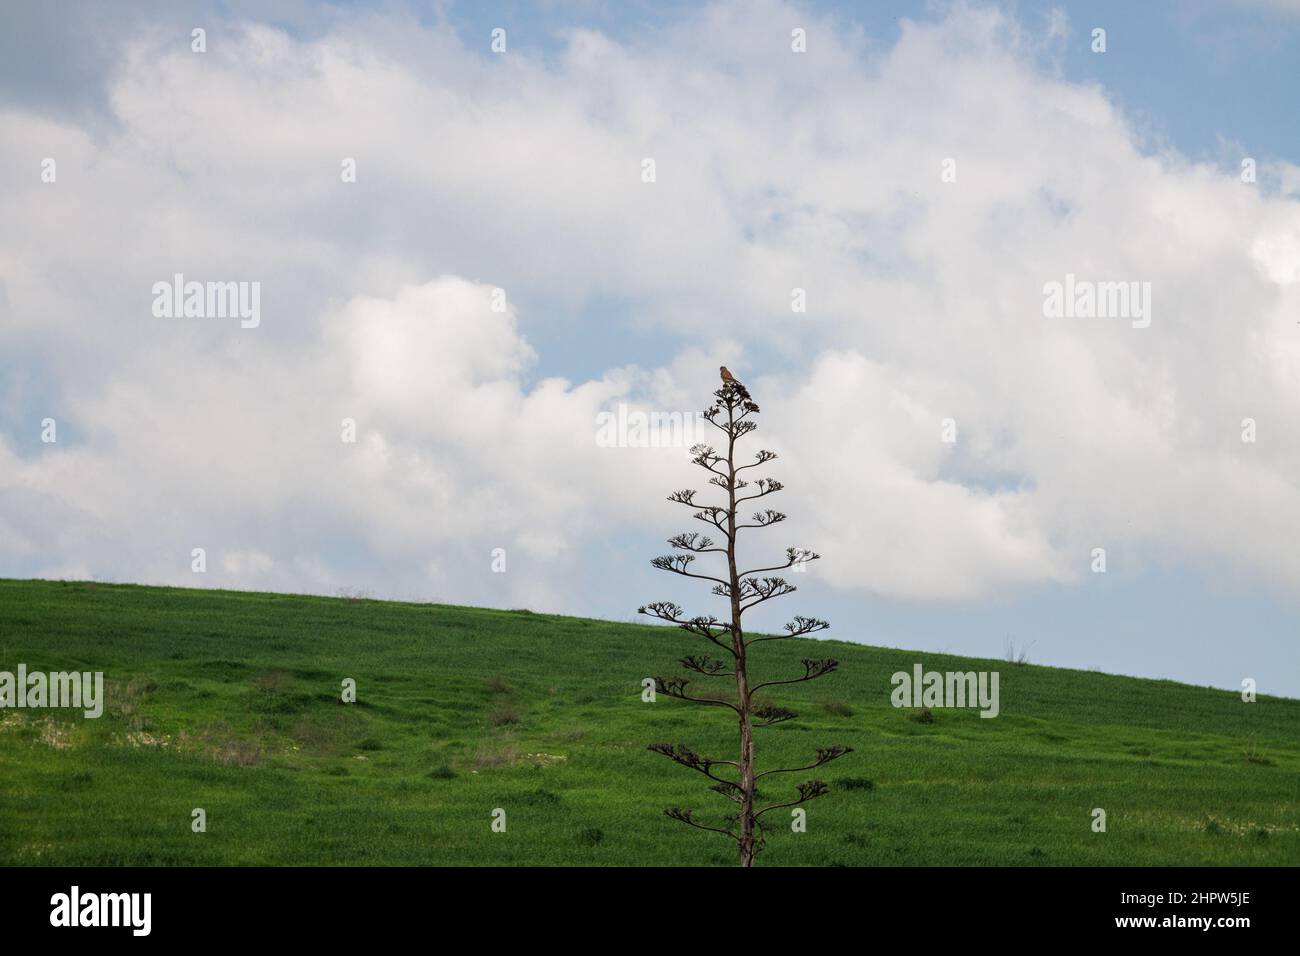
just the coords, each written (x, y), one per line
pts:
(727, 377)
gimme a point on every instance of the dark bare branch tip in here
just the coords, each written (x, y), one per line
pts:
(834, 752)
(805, 625)
(703, 664)
(771, 714)
(816, 667)
(811, 789)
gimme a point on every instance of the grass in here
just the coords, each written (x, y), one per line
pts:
(230, 701)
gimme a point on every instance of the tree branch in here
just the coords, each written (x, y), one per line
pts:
(667, 611)
(808, 790)
(764, 519)
(676, 687)
(685, 816)
(706, 457)
(793, 556)
(684, 755)
(765, 590)
(797, 628)
(766, 486)
(678, 563)
(771, 714)
(824, 756)
(762, 457)
(813, 668)
(703, 664)
(694, 541)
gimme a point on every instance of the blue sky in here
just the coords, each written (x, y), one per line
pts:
(1201, 76)
(1197, 71)
(521, 172)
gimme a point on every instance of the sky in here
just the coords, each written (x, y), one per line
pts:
(601, 213)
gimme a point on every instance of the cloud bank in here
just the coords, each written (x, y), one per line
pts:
(921, 196)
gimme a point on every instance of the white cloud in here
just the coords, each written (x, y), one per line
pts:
(776, 170)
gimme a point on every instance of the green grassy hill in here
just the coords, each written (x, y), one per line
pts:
(229, 701)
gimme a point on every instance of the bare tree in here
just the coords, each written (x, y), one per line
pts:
(736, 780)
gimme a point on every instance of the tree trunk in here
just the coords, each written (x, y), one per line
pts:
(746, 760)
(742, 675)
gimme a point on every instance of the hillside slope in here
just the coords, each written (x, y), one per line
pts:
(229, 701)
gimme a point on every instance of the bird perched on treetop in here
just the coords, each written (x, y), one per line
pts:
(731, 387)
